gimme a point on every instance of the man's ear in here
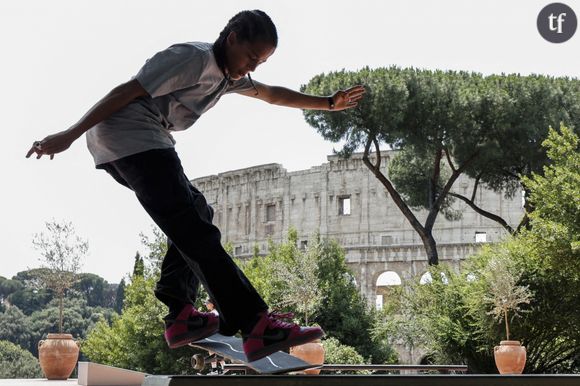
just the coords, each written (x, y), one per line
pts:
(232, 38)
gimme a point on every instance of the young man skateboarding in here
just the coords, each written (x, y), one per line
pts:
(129, 136)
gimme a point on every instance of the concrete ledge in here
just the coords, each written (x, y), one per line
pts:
(365, 380)
(94, 374)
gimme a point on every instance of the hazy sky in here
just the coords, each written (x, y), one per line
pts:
(60, 57)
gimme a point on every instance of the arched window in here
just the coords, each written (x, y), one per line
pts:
(385, 282)
(388, 278)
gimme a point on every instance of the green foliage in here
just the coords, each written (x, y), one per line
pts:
(30, 300)
(338, 353)
(27, 330)
(341, 310)
(299, 272)
(260, 272)
(452, 316)
(502, 118)
(17, 363)
(14, 327)
(61, 253)
(505, 295)
(229, 248)
(555, 197)
(95, 290)
(8, 287)
(397, 323)
(408, 171)
(120, 297)
(135, 340)
(344, 313)
(138, 266)
(30, 296)
(157, 246)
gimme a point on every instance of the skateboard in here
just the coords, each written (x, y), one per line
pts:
(230, 347)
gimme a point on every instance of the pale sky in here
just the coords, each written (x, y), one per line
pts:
(59, 57)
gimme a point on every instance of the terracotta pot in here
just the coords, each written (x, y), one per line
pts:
(58, 356)
(312, 353)
(510, 357)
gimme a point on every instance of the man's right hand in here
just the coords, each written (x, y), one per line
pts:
(52, 144)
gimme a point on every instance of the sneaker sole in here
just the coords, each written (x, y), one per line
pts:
(185, 339)
(259, 354)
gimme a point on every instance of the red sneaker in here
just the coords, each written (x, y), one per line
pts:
(270, 334)
(190, 326)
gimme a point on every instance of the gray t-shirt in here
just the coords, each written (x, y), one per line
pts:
(183, 82)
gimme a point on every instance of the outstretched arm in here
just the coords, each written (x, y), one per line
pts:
(117, 98)
(341, 100)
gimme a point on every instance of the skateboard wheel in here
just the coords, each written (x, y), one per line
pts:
(198, 362)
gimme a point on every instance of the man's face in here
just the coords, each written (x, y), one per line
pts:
(244, 57)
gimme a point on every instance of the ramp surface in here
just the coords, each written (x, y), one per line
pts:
(94, 374)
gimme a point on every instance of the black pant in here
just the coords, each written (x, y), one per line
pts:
(195, 253)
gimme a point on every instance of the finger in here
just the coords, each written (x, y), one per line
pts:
(350, 95)
(350, 106)
(356, 93)
(356, 98)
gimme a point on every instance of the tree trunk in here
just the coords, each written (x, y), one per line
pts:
(507, 327)
(426, 236)
(60, 307)
(430, 247)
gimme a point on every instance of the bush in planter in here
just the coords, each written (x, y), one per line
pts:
(61, 252)
(338, 353)
(504, 294)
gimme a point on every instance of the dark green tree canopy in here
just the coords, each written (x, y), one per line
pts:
(448, 124)
(16, 362)
(8, 287)
(501, 118)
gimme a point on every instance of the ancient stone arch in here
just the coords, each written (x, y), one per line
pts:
(384, 285)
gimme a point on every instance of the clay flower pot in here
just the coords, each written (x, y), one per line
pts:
(312, 353)
(510, 357)
(58, 356)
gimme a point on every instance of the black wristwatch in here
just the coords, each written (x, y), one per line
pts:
(331, 103)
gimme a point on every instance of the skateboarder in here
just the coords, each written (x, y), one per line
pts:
(129, 136)
(215, 360)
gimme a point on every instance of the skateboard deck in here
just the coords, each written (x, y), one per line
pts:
(230, 347)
